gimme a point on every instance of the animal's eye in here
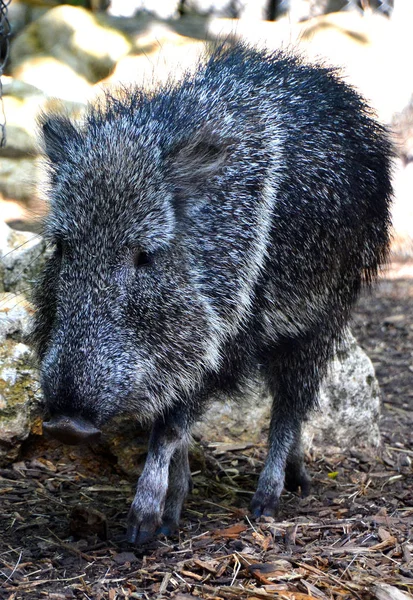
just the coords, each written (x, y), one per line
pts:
(141, 259)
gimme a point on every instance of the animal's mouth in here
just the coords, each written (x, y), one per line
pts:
(72, 430)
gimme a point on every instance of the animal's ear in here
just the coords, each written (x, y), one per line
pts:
(199, 159)
(57, 132)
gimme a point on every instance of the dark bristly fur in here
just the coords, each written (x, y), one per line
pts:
(212, 229)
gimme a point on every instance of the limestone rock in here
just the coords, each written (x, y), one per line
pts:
(22, 256)
(348, 414)
(349, 410)
(75, 37)
(23, 102)
(54, 78)
(235, 9)
(403, 130)
(159, 53)
(21, 114)
(18, 178)
(163, 9)
(170, 9)
(19, 89)
(20, 401)
(220, 8)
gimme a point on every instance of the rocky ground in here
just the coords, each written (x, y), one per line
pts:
(64, 510)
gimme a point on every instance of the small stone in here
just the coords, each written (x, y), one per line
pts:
(405, 460)
(124, 557)
(86, 521)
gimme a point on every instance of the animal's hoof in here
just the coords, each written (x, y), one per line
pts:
(295, 481)
(136, 535)
(141, 525)
(167, 528)
(264, 506)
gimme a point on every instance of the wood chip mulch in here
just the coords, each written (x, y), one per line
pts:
(63, 511)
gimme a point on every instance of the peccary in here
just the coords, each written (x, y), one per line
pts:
(206, 234)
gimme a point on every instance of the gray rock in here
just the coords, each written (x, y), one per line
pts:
(18, 178)
(349, 402)
(348, 414)
(18, 16)
(20, 400)
(22, 256)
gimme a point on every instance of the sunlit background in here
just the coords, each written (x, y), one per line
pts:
(65, 53)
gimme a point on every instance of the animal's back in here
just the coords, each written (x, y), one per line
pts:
(324, 164)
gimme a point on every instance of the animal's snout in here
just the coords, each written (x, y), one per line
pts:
(72, 430)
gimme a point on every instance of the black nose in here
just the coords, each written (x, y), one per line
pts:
(72, 430)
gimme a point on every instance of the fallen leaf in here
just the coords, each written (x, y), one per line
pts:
(383, 534)
(192, 575)
(263, 540)
(43, 463)
(384, 591)
(230, 532)
(207, 565)
(223, 448)
(267, 572)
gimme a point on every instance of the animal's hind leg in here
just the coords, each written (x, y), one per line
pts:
(271, 482)
(296, 476)
(293, 379)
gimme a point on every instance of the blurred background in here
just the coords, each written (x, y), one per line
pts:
(59, 55)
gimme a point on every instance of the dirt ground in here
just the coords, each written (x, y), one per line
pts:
(63, 511)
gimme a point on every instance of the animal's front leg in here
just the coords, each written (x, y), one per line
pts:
(145, 515)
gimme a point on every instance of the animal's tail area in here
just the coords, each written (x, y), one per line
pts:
(377, 252)
(378, 220)
(373, 271)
